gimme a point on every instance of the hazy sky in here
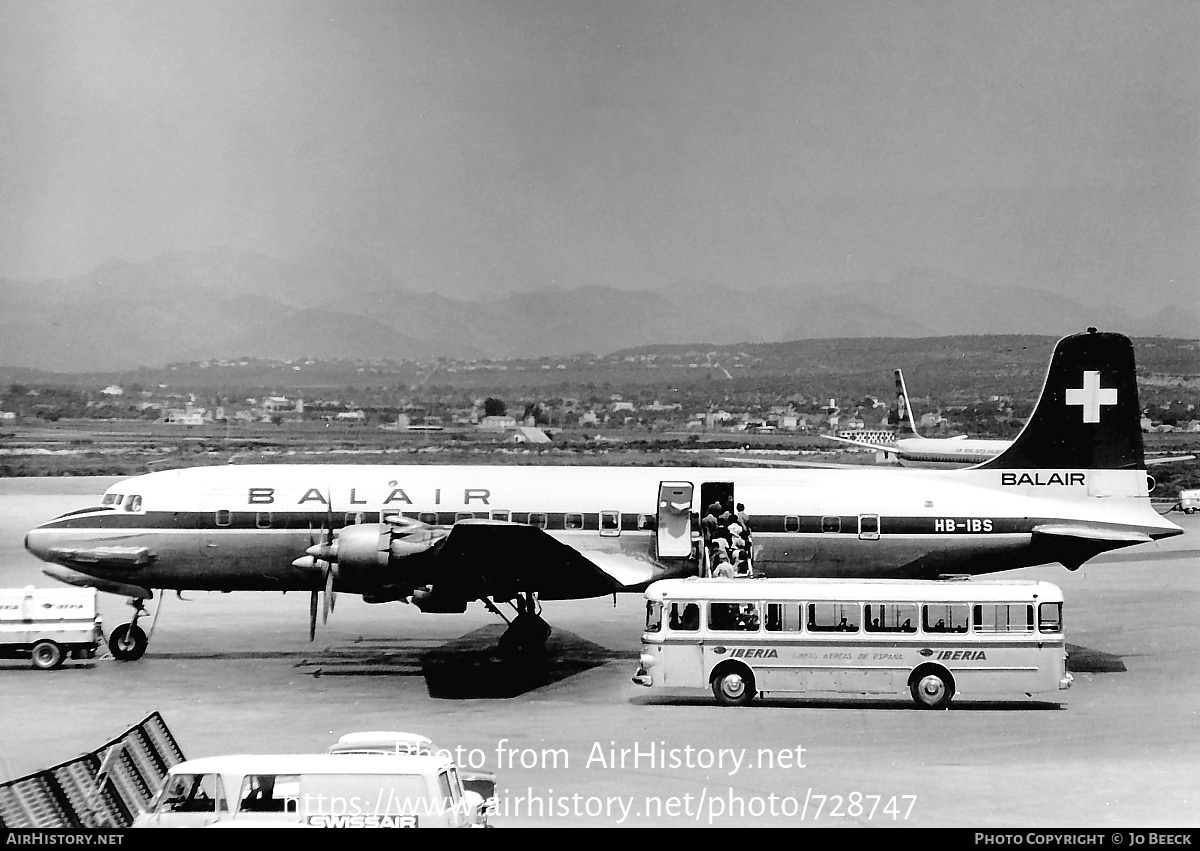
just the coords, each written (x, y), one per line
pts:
(477, 146)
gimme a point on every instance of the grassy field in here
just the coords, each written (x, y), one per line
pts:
(122, 448)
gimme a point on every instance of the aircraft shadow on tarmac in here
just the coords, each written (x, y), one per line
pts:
(467, 667)
(1086, 660)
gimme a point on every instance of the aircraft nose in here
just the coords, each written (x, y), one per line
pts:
(36, 541)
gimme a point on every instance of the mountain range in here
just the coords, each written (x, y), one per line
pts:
(187, 306)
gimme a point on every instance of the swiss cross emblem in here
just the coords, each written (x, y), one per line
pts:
(1091, 396)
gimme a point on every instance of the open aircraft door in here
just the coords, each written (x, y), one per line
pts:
(674, 519)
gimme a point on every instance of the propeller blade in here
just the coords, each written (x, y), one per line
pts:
(312, 617)
(328, 592)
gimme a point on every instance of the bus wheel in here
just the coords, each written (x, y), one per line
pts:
(932, 689)
(46, 655)
(733, 687)
(127, 642)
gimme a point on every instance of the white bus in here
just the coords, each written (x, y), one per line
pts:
(931, 639)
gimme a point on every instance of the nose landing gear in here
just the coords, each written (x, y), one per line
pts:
(128, 641)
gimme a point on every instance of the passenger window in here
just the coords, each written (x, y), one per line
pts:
(610, 522)
(538, 519)
(464, 515)
(833, 617)
(193, 793)
(1003, 617)
(653, 616)
(733, 617)
(429, 517)
(388, 514)
(447, 795)
(890, 617)
(1050, 617)
(945, 617)
(573, 521)
(685, 617)
(223, 517)
(263, 520)
(354, 518)
(783, 617)
(831, 524)
(791, 523)
(266, 793)
(500, 515)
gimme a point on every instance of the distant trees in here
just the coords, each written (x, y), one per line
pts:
(493, 407)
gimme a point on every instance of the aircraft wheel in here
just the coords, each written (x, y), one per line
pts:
(733, 687)
(47, 655)
(127, 642)
(932, 690)
(1189, 511)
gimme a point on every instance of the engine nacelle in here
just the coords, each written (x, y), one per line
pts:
(428, 601)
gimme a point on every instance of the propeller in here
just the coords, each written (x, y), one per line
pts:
(323, 553)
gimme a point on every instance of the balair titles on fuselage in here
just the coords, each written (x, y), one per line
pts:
(396, 496)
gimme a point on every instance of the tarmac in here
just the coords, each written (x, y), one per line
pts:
(577, 743)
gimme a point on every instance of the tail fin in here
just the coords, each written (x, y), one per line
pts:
(1088, 416)
(906, 427)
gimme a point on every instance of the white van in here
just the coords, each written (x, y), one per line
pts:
(391, 741)
(48, 625)
(1189, 501)
(314, 790)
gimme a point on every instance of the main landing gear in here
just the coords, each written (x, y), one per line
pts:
(128, 641)
(525, 638)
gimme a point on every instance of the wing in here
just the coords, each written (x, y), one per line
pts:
(878, 447)
(1171, 460)
(788, 462)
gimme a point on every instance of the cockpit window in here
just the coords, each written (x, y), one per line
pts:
(112, 499)
(134, 503)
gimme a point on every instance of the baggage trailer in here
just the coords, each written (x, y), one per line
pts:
(49, 625)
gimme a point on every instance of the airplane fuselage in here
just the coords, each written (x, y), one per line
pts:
(242, 528)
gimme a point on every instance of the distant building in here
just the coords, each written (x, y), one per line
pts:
(113, 390)
(530, 434)
(498, 423)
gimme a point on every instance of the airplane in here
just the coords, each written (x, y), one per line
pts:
(938, 453)
(1072, 485)
(910, 449)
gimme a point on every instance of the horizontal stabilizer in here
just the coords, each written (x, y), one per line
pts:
(1092, 533)
(128, 557)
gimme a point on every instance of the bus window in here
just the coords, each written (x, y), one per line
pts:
(1004, 617)
(1050, 617)
(733, 617)
(890, 617)
(831, 524)
(946, 617)
(653, 616)
(685, 617)
(833, 617)
(783, 617)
